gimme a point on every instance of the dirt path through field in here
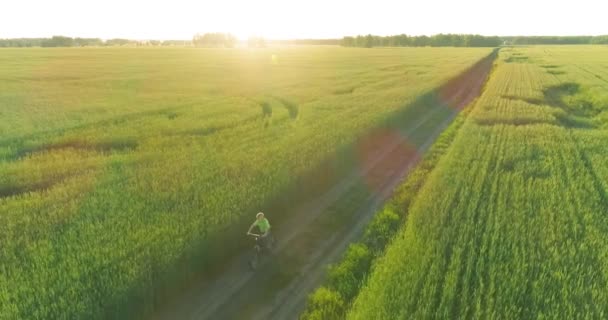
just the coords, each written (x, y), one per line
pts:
(315, 234)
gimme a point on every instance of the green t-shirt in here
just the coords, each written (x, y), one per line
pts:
(263, 225)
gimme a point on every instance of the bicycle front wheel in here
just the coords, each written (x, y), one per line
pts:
(254, 260)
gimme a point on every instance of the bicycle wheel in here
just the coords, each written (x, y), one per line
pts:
(254, 260)
(272, 244)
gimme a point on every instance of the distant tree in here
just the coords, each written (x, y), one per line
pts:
(600, 40)
(348, 42)
(256, 42)
(84, 42)
(403, 40)
(330, 42)
(457, 40)
(230, 40)
(177, 43)
(439, 40)
(58, 41)
(421, 41)
(118, 42)
(214, 40)
(368, 41)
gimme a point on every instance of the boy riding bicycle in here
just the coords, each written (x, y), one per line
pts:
(264, 226)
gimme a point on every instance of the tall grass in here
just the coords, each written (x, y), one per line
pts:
(511, 223)
(125, 172)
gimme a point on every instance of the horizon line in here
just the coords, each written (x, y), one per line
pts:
(299, 38)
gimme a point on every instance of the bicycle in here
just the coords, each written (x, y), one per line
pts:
(260, 248)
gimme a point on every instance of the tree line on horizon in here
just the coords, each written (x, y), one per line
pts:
(212, 40)
(464, 40)
(62, 41)
(439, 40)
(228, 40)
(525, 40)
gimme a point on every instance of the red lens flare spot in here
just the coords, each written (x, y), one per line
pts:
(383, 155)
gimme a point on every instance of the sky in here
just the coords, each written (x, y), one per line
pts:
(286, 19)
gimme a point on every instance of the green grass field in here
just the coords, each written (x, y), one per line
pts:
(121, 168)
(511, 223)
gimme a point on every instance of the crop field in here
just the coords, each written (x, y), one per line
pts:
(512, 223)
(122, 170)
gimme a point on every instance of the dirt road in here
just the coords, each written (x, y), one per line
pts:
(318, 232)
